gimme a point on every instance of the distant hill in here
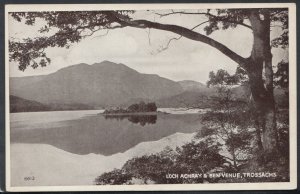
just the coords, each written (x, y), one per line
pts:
(190, 85)
(101, 84)
(18, 104)
(186, 99)
(21, 105)
(195, 94)
(203, 97)
(108, 84)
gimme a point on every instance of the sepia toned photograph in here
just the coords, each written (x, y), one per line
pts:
(150, 97)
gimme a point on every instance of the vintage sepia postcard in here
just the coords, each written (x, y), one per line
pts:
(150, 97)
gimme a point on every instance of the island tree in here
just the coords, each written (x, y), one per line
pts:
(73, 26)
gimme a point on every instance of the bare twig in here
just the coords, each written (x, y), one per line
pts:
(98, 29)
(181, 12)
(206, 14)
(199, 25)
(101, 35)
(178, 38)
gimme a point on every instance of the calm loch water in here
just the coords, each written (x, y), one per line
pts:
(85, 132)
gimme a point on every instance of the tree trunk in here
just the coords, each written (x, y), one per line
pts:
(258, 133)
(234, 158)
(265, 111)
(260, 61)
(260, 74)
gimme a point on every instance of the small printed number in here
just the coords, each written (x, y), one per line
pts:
(29, 178)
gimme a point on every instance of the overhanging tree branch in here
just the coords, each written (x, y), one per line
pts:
(70, 33)
(185, 32)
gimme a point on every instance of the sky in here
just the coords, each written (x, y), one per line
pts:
(138, 49)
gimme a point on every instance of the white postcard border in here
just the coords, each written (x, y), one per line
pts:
(166, 187)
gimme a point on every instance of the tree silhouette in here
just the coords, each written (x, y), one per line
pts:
(73, 26)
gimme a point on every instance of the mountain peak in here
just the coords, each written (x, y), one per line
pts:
(117, 67)
(105, 62)
(102, 84)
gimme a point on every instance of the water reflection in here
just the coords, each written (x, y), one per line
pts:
(100, 135)
(136, 119)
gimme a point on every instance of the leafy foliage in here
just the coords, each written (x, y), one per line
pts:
(231, 18)
(280, 18)
(134, 108)
(224, 19)
(194, 157)
(281, 76)
(222, 77)
(230, 118)
(143, 107)
(281, 81)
